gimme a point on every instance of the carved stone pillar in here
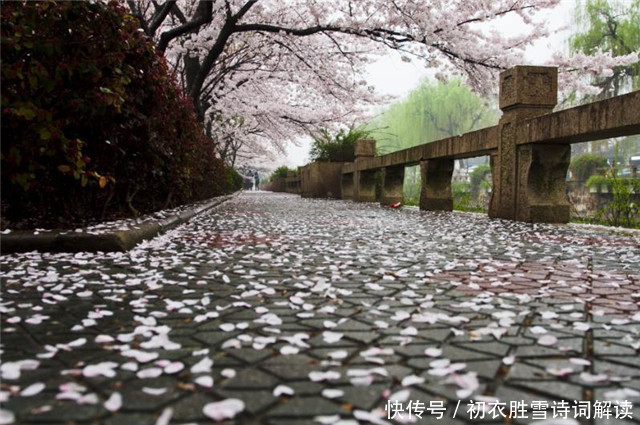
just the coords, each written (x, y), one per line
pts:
(435, 193)
(364, 181)
(494, 161)
(525, 177)
(347, 186)
(392, 185)
(542, 188)
(365, 186)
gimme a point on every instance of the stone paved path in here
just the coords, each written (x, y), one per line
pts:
(273, 309)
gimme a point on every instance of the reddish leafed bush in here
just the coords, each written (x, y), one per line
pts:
(93, 124)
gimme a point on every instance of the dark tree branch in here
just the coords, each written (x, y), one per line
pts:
(159, 16)
(203, 16)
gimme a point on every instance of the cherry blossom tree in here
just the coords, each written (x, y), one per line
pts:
(261, 72)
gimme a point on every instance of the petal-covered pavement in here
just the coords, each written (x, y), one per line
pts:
(272, 309)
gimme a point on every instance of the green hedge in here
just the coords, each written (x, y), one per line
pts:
(234, 180)
(282, 172)
(586, 165)
(93, 124)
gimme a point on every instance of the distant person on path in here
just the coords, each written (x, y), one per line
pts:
(256, 181)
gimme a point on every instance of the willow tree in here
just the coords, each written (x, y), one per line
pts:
(612, 27)
(432, 111)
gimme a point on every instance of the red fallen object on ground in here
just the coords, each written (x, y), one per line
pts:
(396, 205)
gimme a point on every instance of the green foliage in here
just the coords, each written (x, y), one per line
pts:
(598, 182)
(93, 124)
(461, 196)
(610, 26)
(336, 148)
(586, 165)
(282, 172)
(621, 211)
(431, 112)
(478, 179)
(234, 180)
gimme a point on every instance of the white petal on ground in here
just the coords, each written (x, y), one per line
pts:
(331, 337)
(338, 355)
(330, 375)
(141, 356)
(203, 366)
(622, 394)
(433, 352)
(580, 362)
(401, 396)
(114, 403)
(100, 369)
(154, 391)
(332, 393)
(165, 417)
(6, 417)
(547, 340)
(288, 350)
(173, 367)
(590, 378)
(581, 326)
(204, 381)
(509, 360)
(374, 417)
(228, 373)
(152, 372)
(225, 409)
(326, 419)
(32, 389)
(412, 380)
(283, 390)
(562, 371)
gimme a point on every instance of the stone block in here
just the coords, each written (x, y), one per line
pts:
(435, 194)
(321, 180)
(364, 186)
(365, 148)
(542, 189)
(529, 86)
(392, 185)
(347, 185)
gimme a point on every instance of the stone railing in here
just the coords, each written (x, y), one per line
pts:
(529, 148)
(289, 184)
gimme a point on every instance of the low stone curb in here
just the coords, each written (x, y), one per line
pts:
(85, 241)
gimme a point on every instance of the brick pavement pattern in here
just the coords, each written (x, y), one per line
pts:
(272, 309)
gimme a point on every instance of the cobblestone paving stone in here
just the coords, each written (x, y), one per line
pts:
(273, 309)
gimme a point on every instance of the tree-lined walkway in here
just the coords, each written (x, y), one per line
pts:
(293, 311)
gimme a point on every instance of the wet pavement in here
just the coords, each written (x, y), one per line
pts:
(272, 309)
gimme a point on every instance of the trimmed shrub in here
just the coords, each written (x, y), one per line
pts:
(477, 177)
(338, 148)
(93, 124)
(234, 180)
(281, 172)
(586, 165)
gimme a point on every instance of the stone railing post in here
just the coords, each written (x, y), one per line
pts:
(364, 182)
(528, 180)
(435, 191)
(347, 186)
(392, 185)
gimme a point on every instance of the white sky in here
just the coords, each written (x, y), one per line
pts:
(392, 76)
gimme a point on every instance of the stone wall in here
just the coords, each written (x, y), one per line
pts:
(321, 180)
